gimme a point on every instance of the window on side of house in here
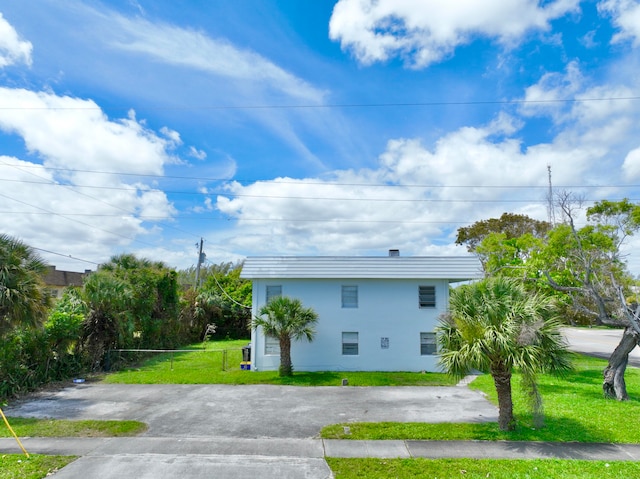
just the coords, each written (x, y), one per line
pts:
(349, 296)
(271, 346)
(273, 291)
(428, 344)
(427, 296)
(349, 344)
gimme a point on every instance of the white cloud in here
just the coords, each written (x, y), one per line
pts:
(74, 133)
(414, 194)
(172, 135)
(194, 49)
(555, 87)
(594, 124)
(472, 173)
(626, 16)
(13, 49)
(190, 68)
(197, 154)
(78, 207)
(61, 218)
(631, 165)
(425, 32)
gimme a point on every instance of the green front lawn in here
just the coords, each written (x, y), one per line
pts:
(213, 366)
(575, 410)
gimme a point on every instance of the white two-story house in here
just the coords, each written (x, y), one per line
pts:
(374, 313)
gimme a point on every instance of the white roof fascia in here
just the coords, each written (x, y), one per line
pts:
(452, 268)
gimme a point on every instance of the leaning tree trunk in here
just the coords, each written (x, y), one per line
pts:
(613, 385)
(502, 382)
(286, 368)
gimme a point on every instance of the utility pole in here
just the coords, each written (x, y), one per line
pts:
(201, 257)
(550, 208)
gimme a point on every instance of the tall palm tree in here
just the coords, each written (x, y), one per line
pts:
(286, 319)
(23, 300)
(497, 326)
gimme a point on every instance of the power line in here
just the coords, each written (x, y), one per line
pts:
(328, 105)
(73, 189)
(298, 220)
(310, 220)
(66, 256)
(319, 183)
(305, 182)
(312, 198)
(76, 221)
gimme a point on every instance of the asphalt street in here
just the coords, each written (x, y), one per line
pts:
(598, 342)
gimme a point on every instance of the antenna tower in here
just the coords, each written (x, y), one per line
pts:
(550, 209)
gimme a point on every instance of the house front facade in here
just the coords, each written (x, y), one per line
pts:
(374, 313)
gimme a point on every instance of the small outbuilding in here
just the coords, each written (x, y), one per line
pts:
(374, 313)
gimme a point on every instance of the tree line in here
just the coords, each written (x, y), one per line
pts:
(129, 303)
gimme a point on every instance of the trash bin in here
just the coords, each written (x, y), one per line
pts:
(246, 353)
(246, 358)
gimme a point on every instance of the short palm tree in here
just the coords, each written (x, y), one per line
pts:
(497, 326)
(286, 319)
(23, 300)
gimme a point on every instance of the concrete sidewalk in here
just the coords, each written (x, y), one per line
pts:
(191, 458)
(320, 448)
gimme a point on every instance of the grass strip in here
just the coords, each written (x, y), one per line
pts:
(481, 468)
(36, 466)
(30, 427)
(575, 410)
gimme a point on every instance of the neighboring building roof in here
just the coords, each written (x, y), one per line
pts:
(53, 277)
(452, 268)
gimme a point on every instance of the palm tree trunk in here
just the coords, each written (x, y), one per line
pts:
(502, 381)
(286, 368)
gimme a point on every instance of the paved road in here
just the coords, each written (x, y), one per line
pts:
(598, 342)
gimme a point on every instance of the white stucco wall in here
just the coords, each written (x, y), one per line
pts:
(387, 308)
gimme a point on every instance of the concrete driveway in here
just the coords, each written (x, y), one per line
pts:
(202, 431)
(256, 411)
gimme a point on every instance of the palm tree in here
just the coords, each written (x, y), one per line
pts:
(23, 299)
(496, 326)
(106, 323)
(286, 319)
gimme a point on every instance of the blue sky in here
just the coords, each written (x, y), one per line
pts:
(306, 127)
